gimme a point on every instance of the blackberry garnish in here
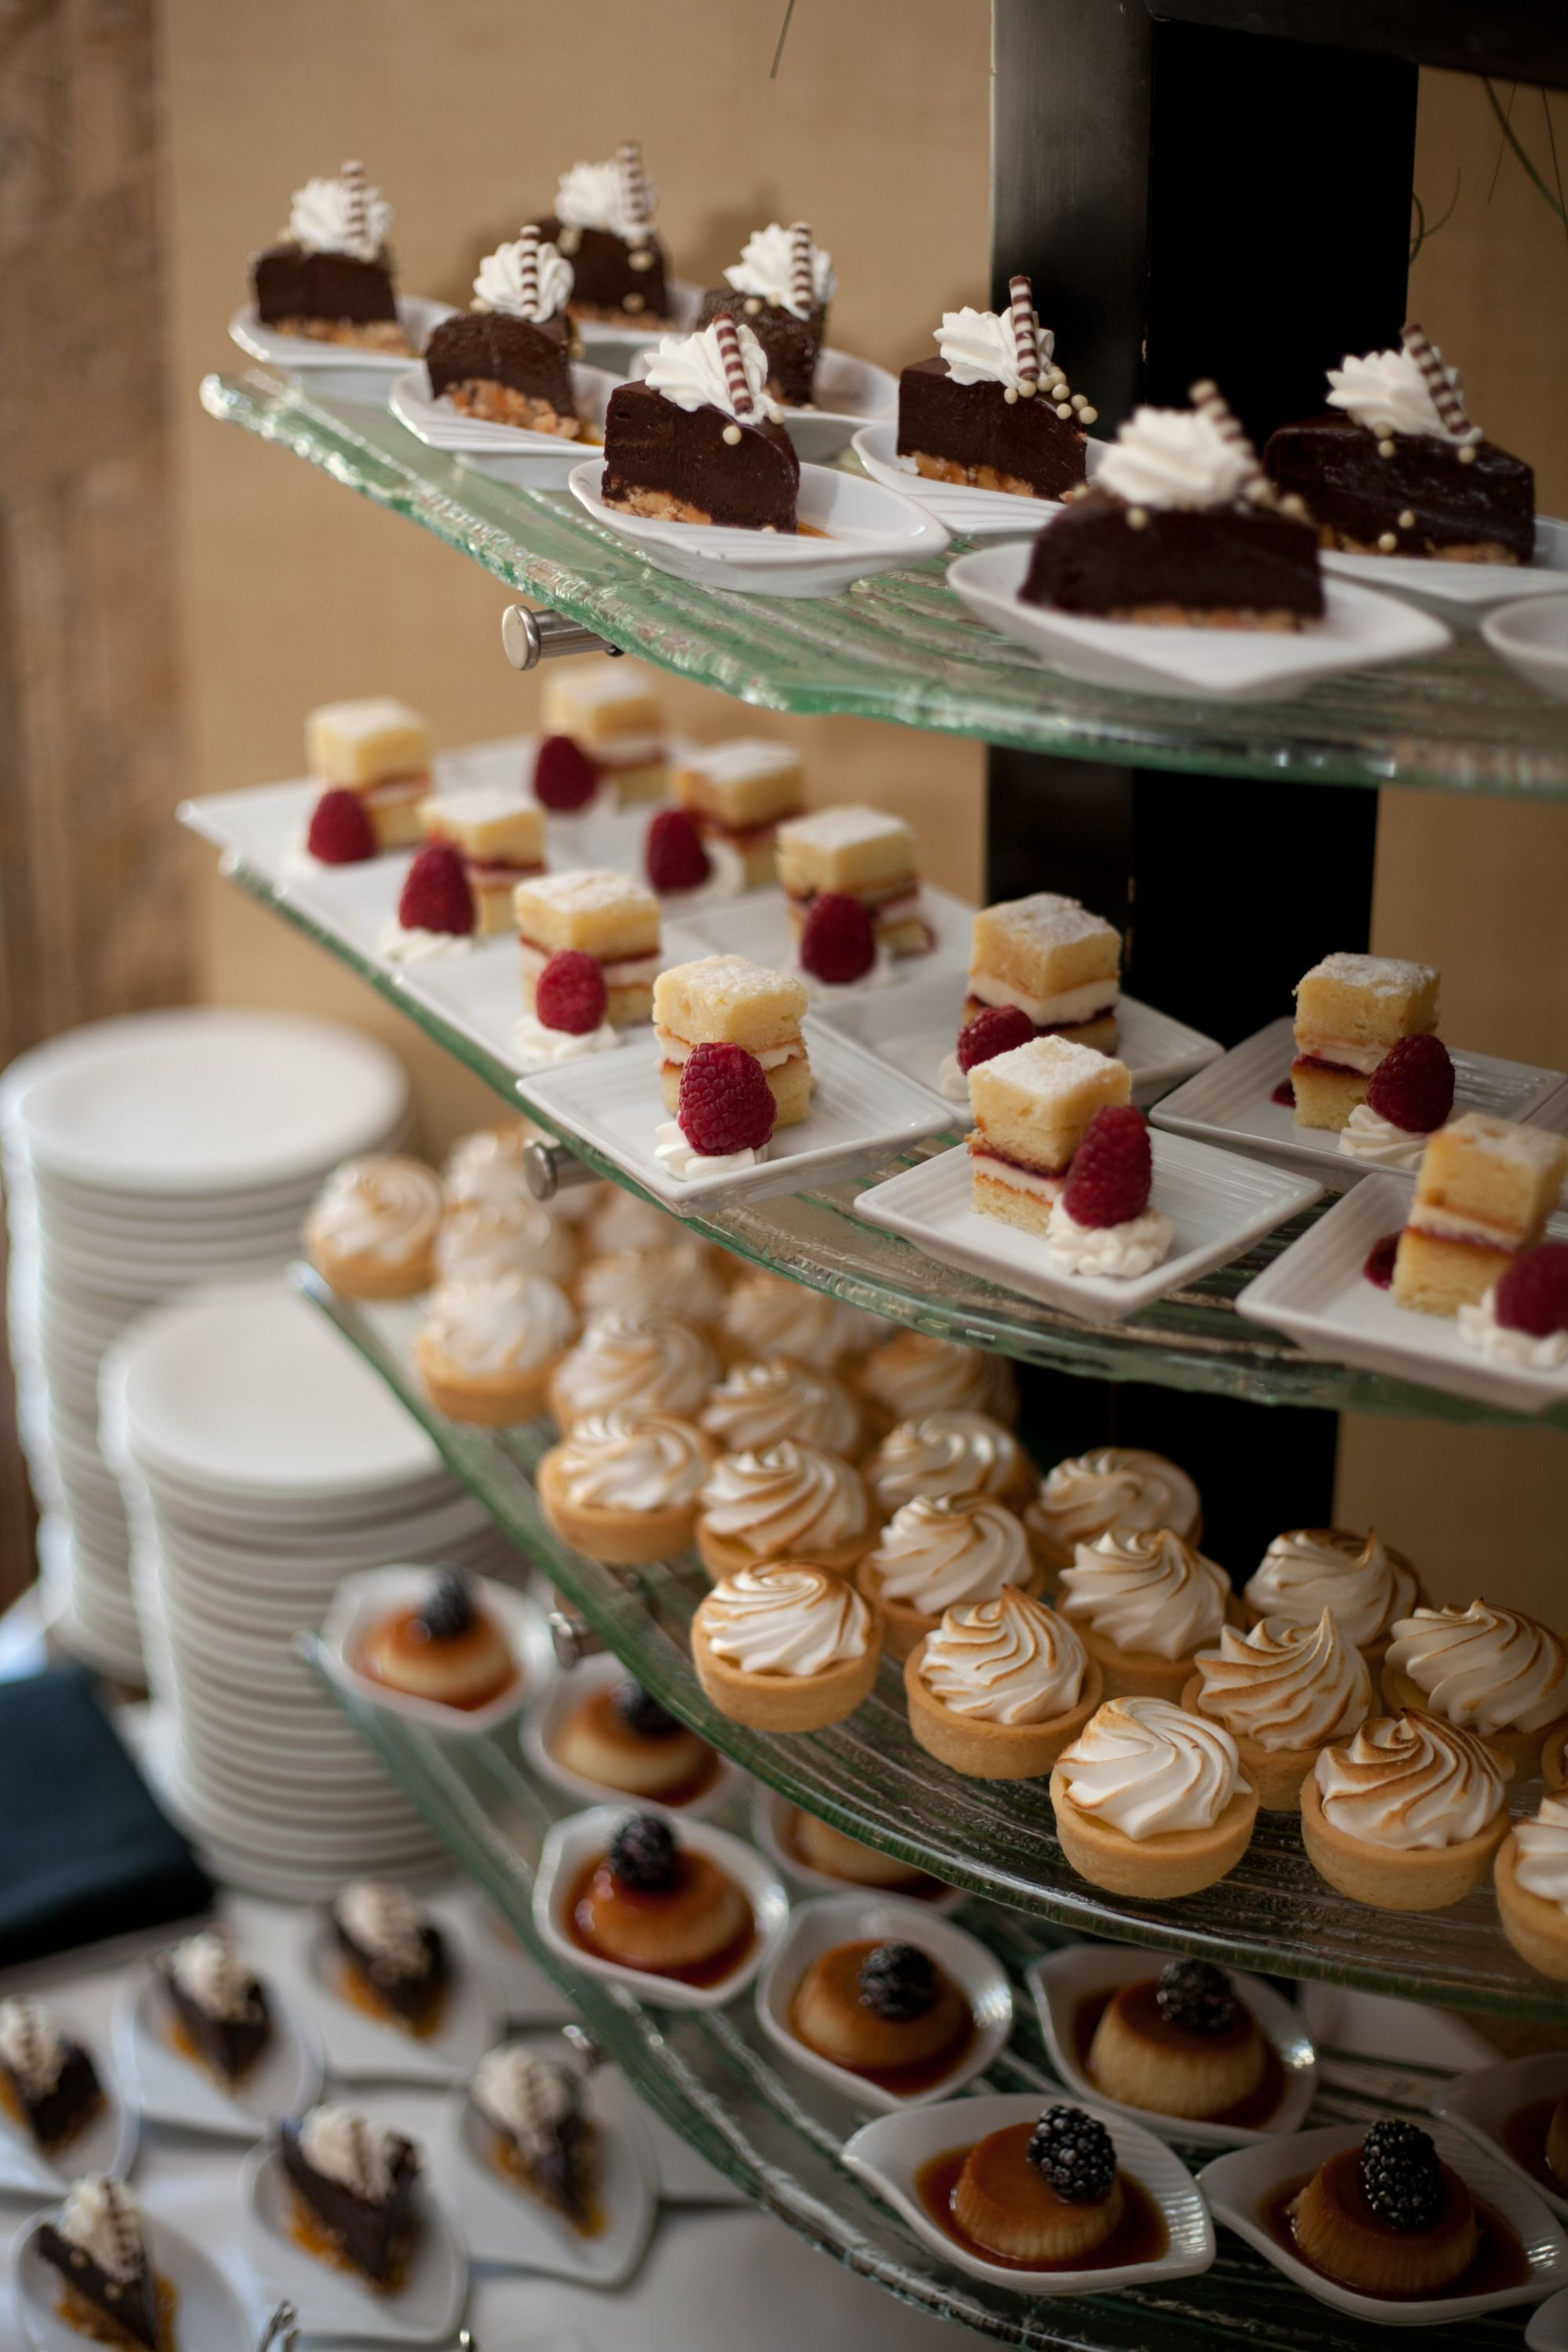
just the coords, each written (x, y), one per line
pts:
(1195, 1995)
(643, 1855)
(447, 1611)
(1074, 2155)
(898, 1981)
(641, 1711)
(1401, 2175)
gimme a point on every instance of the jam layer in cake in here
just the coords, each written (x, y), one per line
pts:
(1230, 566)
(1407, 493)
(976, 433)
(790, 345)
(509, 370)
(696, 466)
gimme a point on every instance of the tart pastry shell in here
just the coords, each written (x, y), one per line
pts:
(784, 1701)
(722, 1555)
(1537, 1929)
(1394, 1878)
(993, 1751)
(367, 1274)
(1159, 1868)
(488, 1399)
(1277, 1773)
(619, 1538)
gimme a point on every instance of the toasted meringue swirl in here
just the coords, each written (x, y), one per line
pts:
(790, 1498)
(1286, 1685)
(942, 1551)
(1407, 1780)
(513, 1325)
(382, 1207)
(1486, 1667)
(952, 1451)
(762, 1405)
(768, 1315)
(1146, 1590)
(1114, 1486)
(486, 1237)
(785, 1620)
(1309, 1570)
(1006, 1660)
(631, 1462)
(487, 1166)
(1147, 1767)
(647, 1363)
(677, 1277)
(916, 1373)
(1541, 1864)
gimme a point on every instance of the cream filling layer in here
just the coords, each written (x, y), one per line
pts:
(1460, 1226)
(1309, 1047)
(676, 1050)
(1022, 1179)
(1068, 1004)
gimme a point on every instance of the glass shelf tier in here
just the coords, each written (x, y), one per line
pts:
(995, 1839)
(901, 646)
(777, 2132)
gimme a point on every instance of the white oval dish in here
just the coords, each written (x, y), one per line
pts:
(816, 1927)
(770, 1816)
(969, 512)
(1531, 637)
(572, 1844)
(364, 2050)
(1062, 1979)
(621, 344)
(1463, 592)
(360, 1601)
(208, 2311)
(340, 370)
(509, 452)
(848, 392)
(332, 2302)
(107, 2145)
(888, 2154)
(544, 1722)
(1480, 2101)
(171, 2088)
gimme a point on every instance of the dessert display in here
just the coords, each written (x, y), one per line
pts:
(781, 289)
(379, 751)
(1363, 1583)
(1532, 1881)
(819, 1847)
(620, 1736)
(48, 2083)
(1047, 2196)
(108, 2290)
(952, 1452)
(759, 1406)
(1399, 469)
(677, 1278)
(992, 408)
(329, 277)
(444, 1647)
(1114, 1486)
(656, 1903)
(1493, 1670)
(602, 221)
(392, 1955)
(787, 1647)
(371, 1229)
(739, 793)
(1350, 1011)
(489, 1348)
(789, 1501)
(1050, 960)
(1484, 1191)
(611, 918)
(701, 438)
(604, 731)
(1183, 2044)
(1101, 1221)
(1522, 1318)
(498, 833)
(218, 2009)
(542, 2139)
(886, 2011)
(1180, 527)
(1000, 1686)
(1032, 1107)
(915, 1372)
(480, 1240)
(355, 2193)
(507, 358)
(437, 914)
(1150, 1800)
(640, 1362)
(1408, 1814)
(1145, 1603)
(861, 853)
(1409, 1096)
(767, 1315)
(1388, 2217)
(941, 1552)
(726, 1000)
(622, 1487)
(1283, 1692)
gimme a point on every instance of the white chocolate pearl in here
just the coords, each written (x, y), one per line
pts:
(1468, 454)
(1087, 415)
(641, 257)
(1010, 396)
(732, 434)
(633, 301)
(1407, 520)
(568, 239)
(1136, 518)
(1385, 448)
(1387, 542)
(754, 306)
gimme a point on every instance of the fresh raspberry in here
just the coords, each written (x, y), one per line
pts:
(726, 1102)
(564, 778)
(837, 943)
(1413, 1085)
(341, 834)
(673, 855)
(569, 992)
(436, 893)
(1532, 1296)
(995, 1029)
(1112, 1171)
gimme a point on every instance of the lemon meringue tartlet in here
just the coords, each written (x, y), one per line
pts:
(482, 1238)
(1493, 1671)
(787, 1502)
(791, 1647)
(1088, 1495)
(767, 1315)
(622, 1487)
(914, 1373)
(1532, 1881)
(1151, 1802)
(646, 1362)
(1282, 1692)
(486, 1350)
(670, 1277)
(762, 1405)
(954, 1451)
(937, 1552)
(999, 1687)
(1365, 1581)
(1408, 1814)
(371, 1229)
(1145, 1603)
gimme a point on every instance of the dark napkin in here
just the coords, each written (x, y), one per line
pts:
(85, 1852)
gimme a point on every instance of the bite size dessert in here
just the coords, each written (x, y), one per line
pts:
(739, 794)
(217, 2007)
(1494, 1671)
(679, 866)
(48, 2083)
(1032, 1107)
(1284, 1693)
(823, 1848)
(639, 1362)
(1531, 1880)
(379, 751)
(1387, 2217)
(437, 913)
(701, 439)
(508, 357)
(767, 1314)
(1150, 1800)
(781, 288)
(446, 1646)
(613, 918)
(1050, 958)
(489, 1348)
(481, 1240)
(1351, 1011)
(1408, 1814)
(355, 2192)
(887, 2011)
(726, 1000)
(371, 1229)
(758, 1405)
(656, 1901)
(992, 409)
(1000, 1686)
(1044, 2196)
(940, 1552)
(486, 1170)
(1398, 469)
(680, 1277)
(1104, 1223)
(604, 733)
(393, 1956)
(1180, 528)
(623, 1487)
(498, 833)
(1409, 1096)
(951, 1452)
(621, 1738)
(542, 2139)
(1483, 1193)
(339, 831)
(915, 1372)
(786, 1648)
(108, 2290)
(1183, 2044)
(329, 277)
(602, 221)
(1363, 1583)
(861, 853)
(1123, 1486)
(725, 1113)
(1145, 1603)
(1522, 1319)
(789, 1501)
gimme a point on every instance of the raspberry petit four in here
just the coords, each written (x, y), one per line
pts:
(767, 1314)
(48, 2083)
(1051, 960)
(1388, 2218)
(611, 916)
(1150, 1800)
(620, 1736)
(1351, 1011)
(941, 1552)
(1032, 1107)
(724, 1000)
(781, 289)
(657, 1903)
(330, 275)
(740, 793)
(884, 2011)
(786, 1648)
(623, 1487)
(1000, 1686)
(1183, 2043)
(339, 833)
(378, 749)
(218, 2013)
(915, 1372)
(393, 1955)
(1399, 469)
(839, 946)
(791, 1501)
(701, 439)
(1145, 1603)
(602, 221)
(759, 1406)
(857, 852)
(498, 833)
(992, 409)
(507, 358)
(643, 1362)
(603, 730)
(1532, 1881)
(1408, 1096)
(951, 1452)
(445, 1647)
(108, 2289)
(1408, 1814)
(725, 1113)
(1363, 1581)
(542, 2139)
(1522, 1318)
(488, 1347)
(1483, 1193)
(1282, 1692)
(1047, 2196)
(1122, 1487)
(355, 2193)
(1102, 1223)
(371, 1229)
(1493, 1670)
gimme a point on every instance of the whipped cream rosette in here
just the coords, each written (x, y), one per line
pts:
(941, 1552)
(916, 1373)
(1363, 1581)
(759, 1406)
(1282, 1692)
(622, 1487)
(785, 1646)
(487, 1348)
(647, 1362)
(1493, 1670)
(787, 1501)
(954, 1451)
(1151, 1800)
(1145, 1603)
(1532, 1886)
(766, 1315)
(371, 1229)
(676, 1278)
(1407, 1814)
(339, 214)
(998, 1687)
(1113, 1487)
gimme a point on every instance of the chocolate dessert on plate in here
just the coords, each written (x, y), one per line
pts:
(48, 2080)
(395, 1957)
(218, 2008)
(992, 410)
(507, 357)
(110, 2291)
(780, 288)
(603, 225)
(329, 277)
(355, 2192)
(701, 440)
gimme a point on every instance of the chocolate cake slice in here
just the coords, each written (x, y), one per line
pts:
(603, 223)
(357, 2190)
(544, 2138)
(48, 2081)
(780, 288)
(510, 371)
(394, 1956)
(108, 2289)
(991, 410)
(329, 277)
(698, 467)
(219, 2009)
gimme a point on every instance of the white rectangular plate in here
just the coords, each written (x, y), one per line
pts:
(1463, 592)
(758, 926)
(507, 452)
(1219, 1203)
(1317, 1294)
(1229, 1102)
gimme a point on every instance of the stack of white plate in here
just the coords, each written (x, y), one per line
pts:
(141, 1156)
(263, 1461)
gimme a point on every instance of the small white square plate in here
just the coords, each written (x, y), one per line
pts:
(170, 2088)
(1461, 593)
(1316, 1293)
(1481, 2102)
(1231, 1102)
(847, 393)
(1219, 1203)
(361, 1601)
(771, 1817)
(348, 372)
(364, 2049)
(108, 2144)
(209, 2313)
(546, 1718)
(1062, 1981)
(332, 2302)
(971, 513)
(1237, 2187)
(509, 452)
(1359, 629)
(758, 927)
(862, 1112)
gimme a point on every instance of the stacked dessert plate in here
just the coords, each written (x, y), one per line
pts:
(141, 1156)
